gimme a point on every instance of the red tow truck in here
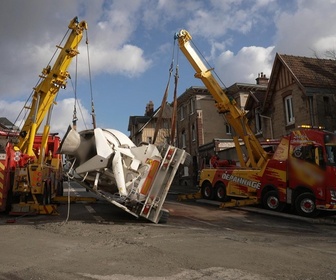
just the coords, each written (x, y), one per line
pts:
(300, 173)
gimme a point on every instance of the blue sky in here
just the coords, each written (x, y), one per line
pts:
(131, 43)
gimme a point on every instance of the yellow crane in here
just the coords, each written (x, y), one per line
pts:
(32, 169)
(233, 114)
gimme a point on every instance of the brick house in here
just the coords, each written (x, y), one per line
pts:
(244, 93)
(224, 146)
(253, 106)
(142, 127)
(201, 130)
(198, 122)
(301, 91)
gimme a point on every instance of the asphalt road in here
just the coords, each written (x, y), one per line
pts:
(100, 241)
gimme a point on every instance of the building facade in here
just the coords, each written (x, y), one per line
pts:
(198, 122)
(201, 130)
(302, 91)
(142, 128)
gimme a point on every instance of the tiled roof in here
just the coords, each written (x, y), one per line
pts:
(6, 124)
(135, 120)
(254, 98)
(245, 86)
(4, 121)
(192, 91)
(312, 72)
(308, 72)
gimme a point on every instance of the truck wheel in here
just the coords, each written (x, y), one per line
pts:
(164, 216)
(305, 205)
(207, 191)
(46, 197)
(220, 192)
(60, 189)
(271, 201)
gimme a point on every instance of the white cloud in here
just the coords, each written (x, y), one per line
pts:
(129, 38)
(264, 3)
(28, 42)
(308, 29)
(325, 44)
(128, 60)
(23, 68)
(11, 110)
(217, 18)
(245, 65)
(63, 114)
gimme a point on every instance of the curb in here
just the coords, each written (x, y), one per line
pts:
(322, 220)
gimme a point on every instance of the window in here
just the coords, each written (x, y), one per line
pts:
(184, 139)
(182, 113)
(166, 123)
(327, 109)
(331, 154)
(311, 154)
(289, 110)
(192, 106)
(227, 128)
(185, 171)
(258, 124)
(193, 132)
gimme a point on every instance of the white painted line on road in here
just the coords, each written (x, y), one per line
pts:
(70, 189)
(98, 218)
(90, 209)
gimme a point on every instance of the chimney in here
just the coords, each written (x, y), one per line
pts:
(149, 109)
(262, 80)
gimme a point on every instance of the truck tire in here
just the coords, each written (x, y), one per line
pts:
(220, 192)
(60, 189)
(46, 197)
(207, 191)
(271, 201)
(164, 216)
(305, 205)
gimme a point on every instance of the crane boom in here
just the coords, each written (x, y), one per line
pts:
(46, 91)
(234, 115)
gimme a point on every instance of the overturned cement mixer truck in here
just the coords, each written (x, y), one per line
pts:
(134, 178)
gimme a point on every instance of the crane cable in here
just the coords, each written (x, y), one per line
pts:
(164, 99)
(78, 104)
(91, 91)
(174, 113)
(208, 64)
(25, 106)
(90, 79)
(74, 116)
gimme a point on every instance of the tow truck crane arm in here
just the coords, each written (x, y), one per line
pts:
(46, 91)
(234, 115)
